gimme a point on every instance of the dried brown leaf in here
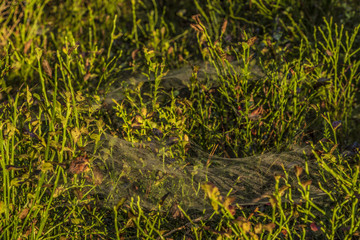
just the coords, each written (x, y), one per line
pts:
(47, 68)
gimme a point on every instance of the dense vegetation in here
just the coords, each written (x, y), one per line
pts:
(282, 74)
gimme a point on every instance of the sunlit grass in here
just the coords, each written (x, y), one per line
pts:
(277, 76)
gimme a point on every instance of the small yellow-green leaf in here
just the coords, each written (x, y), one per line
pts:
(47, 167)
(277, 177)
(120, 203)
(100, 124)
(95, 136)
(30, 196)
(76, 221)
(258, 228)
(186, 138)
(211, 190)
(38, 52)
(79, 97)
(75, 133)
(84, 130)
(29, 98)
(213, 193)
(58, 191)
(10, 129)
(246, 226)
(269, 227)
(16, 182)
(55, 144)
(143, 112)
(139, 119)
(254, 236)
(2, 207)
(67, 149)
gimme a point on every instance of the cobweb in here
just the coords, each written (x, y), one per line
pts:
(135, 171)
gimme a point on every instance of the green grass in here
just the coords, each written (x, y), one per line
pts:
(278, 75)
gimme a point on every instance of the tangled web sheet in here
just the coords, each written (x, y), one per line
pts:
(139, 171)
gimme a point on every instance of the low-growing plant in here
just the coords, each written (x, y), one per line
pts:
(266, 76)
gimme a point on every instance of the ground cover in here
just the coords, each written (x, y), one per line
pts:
(188, 120)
